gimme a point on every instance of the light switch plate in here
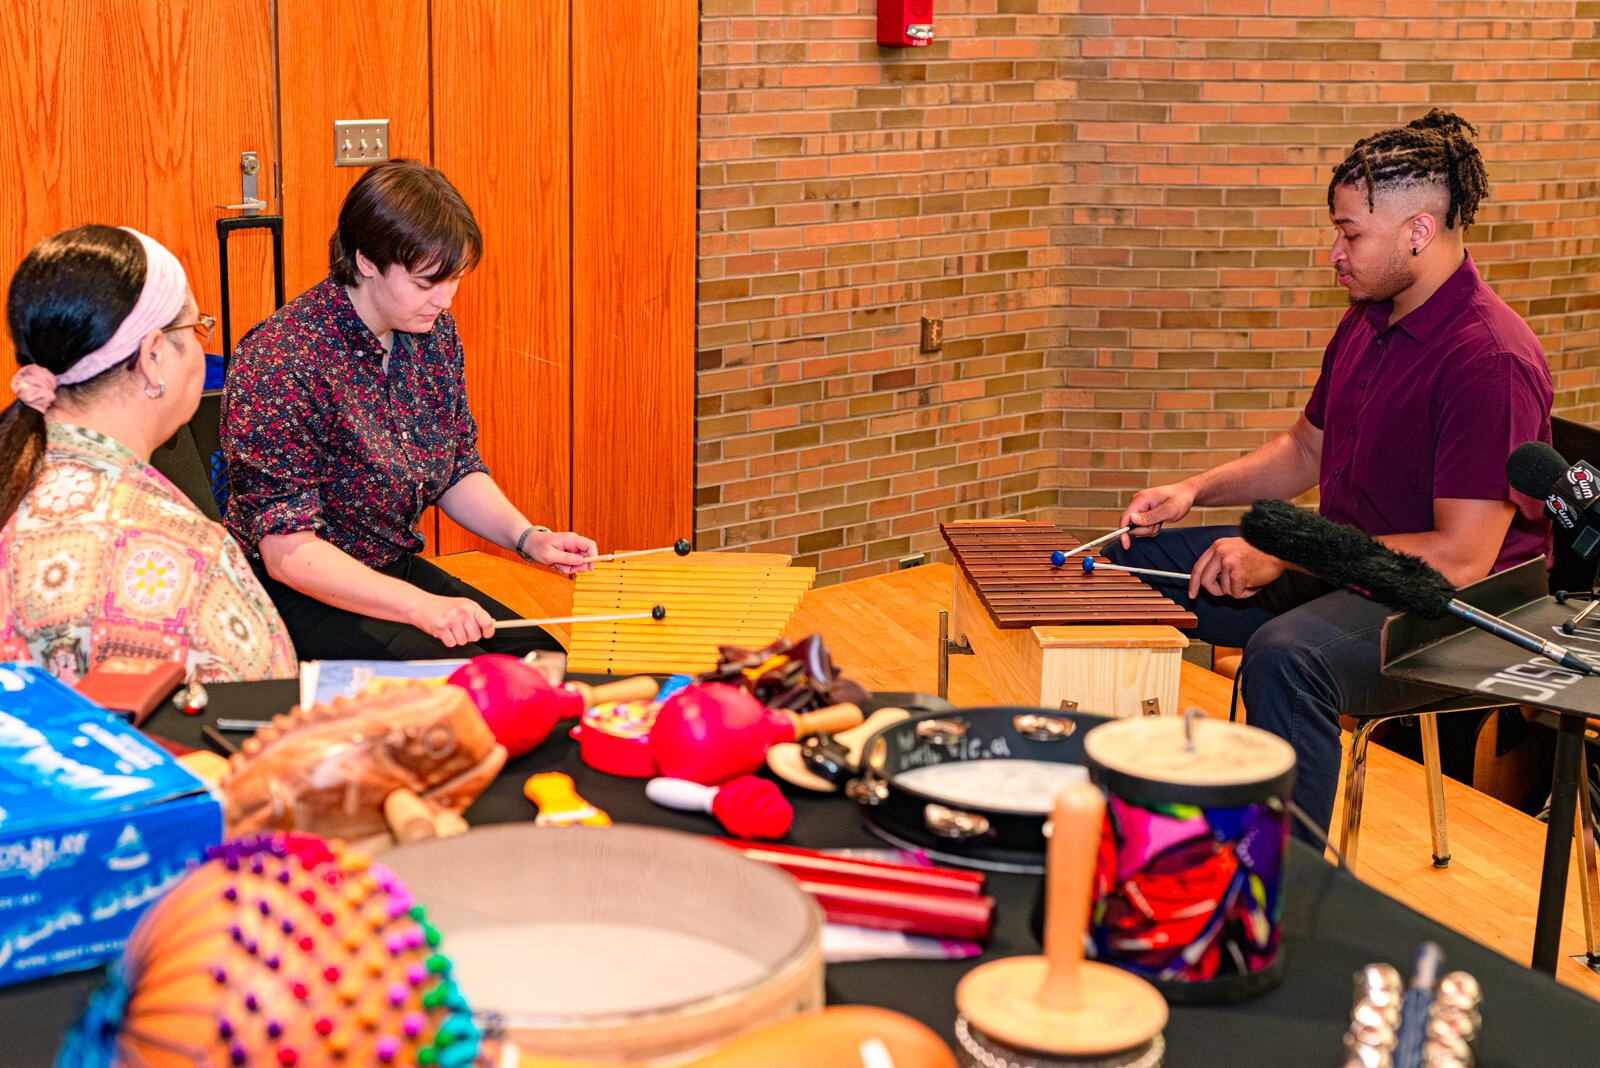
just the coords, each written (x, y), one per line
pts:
(360, 142)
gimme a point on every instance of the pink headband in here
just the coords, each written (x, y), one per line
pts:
(165, 291)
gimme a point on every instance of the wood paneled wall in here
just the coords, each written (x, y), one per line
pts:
(501, 76)
(633, 255)
(571, 132)
(134, 113)
(343, 59)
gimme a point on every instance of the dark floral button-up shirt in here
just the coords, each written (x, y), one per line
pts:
(318, 436)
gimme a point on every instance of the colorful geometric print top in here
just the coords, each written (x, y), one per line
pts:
(319, 435)
(105, 557)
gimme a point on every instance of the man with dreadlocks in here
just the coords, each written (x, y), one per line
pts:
(1428, 384)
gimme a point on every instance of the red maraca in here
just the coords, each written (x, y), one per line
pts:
(520, 705)
(711, 732)
(516, 701)
(747, 807)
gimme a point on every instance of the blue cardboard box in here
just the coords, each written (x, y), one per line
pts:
(96, 822)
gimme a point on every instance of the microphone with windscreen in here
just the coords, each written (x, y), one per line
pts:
(1568, 491)
(1347, 557)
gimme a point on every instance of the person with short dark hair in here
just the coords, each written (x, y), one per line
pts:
(1429, 383)
(345, 416)
(100, 556)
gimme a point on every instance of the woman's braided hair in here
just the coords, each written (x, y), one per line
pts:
(1435, 149)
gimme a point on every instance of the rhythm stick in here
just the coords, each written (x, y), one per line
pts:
(1091, 565)
(1058, 557)
(681, 547)
(658, 612)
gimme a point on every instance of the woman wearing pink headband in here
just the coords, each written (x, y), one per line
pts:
(100, 555)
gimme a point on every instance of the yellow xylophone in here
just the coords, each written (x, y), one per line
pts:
(712, 599)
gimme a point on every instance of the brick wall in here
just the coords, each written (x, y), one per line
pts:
(846, 191)
(1117, 206)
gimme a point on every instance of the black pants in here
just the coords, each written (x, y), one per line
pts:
(1311, 653)
(322, 632)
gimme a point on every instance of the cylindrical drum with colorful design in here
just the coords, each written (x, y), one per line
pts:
(1188, 886)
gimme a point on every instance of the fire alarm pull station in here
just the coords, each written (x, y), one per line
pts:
(905, 23)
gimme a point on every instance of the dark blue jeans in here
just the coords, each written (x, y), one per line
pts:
(1310, 655)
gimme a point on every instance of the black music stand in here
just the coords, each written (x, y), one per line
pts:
(1454, 655)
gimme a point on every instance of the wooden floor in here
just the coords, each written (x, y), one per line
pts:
(1488, 893)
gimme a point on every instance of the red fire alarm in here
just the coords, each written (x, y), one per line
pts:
(905, 23)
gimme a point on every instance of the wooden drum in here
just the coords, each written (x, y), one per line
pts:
(1188, 889)
(625, 943)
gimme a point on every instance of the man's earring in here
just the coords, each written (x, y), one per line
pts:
(161, 390)
(1414, 250)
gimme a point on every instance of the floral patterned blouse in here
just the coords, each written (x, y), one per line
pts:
(104, 557)
(320, 435)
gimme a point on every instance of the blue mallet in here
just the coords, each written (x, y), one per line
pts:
(1091, 565)
(1058, 557)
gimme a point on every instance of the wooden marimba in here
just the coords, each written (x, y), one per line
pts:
(1060, 637)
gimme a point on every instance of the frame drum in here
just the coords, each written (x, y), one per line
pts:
(625, 943)
(972, 787)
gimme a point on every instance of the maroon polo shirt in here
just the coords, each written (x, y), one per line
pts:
(1431, 407)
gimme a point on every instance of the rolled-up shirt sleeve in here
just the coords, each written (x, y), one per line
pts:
(273, 432)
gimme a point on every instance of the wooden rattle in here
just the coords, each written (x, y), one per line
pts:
(747, 807)
(559, 803)
(1059, 1009)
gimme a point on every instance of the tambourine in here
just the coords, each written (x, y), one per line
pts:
(972, 787)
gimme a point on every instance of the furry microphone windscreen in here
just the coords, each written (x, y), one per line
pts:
(1347, 557)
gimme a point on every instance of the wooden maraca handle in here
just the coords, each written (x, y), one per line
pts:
(411, 819)
(1074, 848)
(828, 720)
(636, 688)
(840, 1037)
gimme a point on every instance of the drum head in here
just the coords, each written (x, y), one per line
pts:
(625, 941)
(1190, 761)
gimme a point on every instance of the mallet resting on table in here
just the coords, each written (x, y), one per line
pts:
(658, 612)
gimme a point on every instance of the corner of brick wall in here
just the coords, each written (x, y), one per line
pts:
(1117, 207)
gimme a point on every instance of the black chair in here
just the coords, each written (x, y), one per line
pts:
(192, 458)
(1569, 571)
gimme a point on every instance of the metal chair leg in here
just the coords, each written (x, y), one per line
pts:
(1435, 777)
(1355, 786)
(1589, 869)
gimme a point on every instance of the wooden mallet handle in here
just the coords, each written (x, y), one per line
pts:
(828, 720)
(1074, 847)
(635, 688)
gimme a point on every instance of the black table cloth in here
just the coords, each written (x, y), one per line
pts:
(1333, 925)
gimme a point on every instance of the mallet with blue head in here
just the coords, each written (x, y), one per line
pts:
(1091, 565)
(1058, 557)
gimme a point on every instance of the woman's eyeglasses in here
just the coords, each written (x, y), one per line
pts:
(202, 327)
